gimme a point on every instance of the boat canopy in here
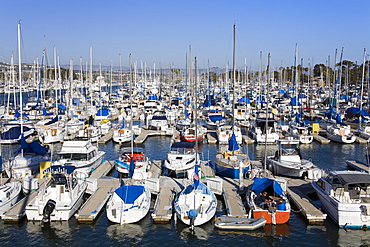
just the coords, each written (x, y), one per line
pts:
(14, 132)
(261, 184)
(353, 178)
(129, 193)
(183, 145)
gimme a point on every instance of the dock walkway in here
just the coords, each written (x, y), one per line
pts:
(298, 190)
(357, 165)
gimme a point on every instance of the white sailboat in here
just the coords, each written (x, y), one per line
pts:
(196, 204)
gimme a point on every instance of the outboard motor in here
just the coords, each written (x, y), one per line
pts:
(192, 214)
(48, 209)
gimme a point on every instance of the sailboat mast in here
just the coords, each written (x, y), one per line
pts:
(195, 109)
(132, 115)
(362, 87)
(234, 75)
(20, 76)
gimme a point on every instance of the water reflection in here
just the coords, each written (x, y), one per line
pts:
(200, 232)
(129, 233)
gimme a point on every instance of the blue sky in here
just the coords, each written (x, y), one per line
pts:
(160, 32)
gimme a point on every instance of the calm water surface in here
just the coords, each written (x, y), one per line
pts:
(146, 233)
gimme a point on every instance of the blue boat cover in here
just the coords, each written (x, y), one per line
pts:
(261, 184)
(201, 186)
(31, 148)
(129, 193)
(103, 112)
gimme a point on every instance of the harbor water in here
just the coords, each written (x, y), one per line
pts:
(146, 233)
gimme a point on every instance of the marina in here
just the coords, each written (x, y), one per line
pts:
(196, 156)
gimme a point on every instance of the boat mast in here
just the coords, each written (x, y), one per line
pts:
(131, 79)
(234, 75)
(20, 78)
(362, 87)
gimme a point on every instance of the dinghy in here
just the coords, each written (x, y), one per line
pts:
(238, 223)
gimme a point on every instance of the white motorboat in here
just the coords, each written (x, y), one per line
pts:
(128, 204)
(265, 126)
(287, 161)
(122, 135)
(9, 194)
(300, 132)
(81, 154)
(340, 133)
(345, 196)
(60, 198)
(181, 159)
(196, 204)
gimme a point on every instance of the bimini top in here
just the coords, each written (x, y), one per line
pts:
(129, 193)
(351, 177)
(183, 145)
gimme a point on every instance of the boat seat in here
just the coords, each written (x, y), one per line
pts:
(368, 190)
(339, 193)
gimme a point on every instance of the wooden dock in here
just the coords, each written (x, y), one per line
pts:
(233, 202)
(360, 140)
(103, 169)
(107, 137)
(92, 207)
(357, 165)
(321, 139)
(298, 191)
(145, 133)
(155, 169)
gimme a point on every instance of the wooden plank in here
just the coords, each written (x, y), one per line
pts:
(233, 202)
(107, 137)
(155, 169)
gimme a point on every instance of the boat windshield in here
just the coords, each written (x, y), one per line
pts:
(71, 156)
